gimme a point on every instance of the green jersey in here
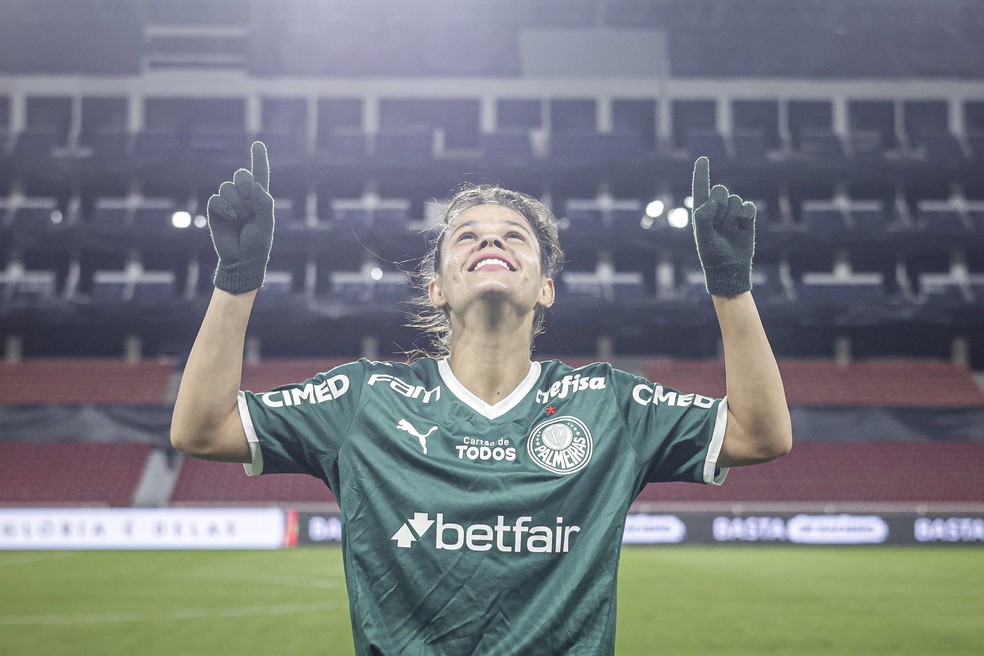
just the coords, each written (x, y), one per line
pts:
(471, 528)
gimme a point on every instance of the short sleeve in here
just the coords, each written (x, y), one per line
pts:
(678, 436)
(299, 428)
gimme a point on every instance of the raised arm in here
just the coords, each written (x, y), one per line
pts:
(759, 427)
(205, 422)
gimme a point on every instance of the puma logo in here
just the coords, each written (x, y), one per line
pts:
(405, 425)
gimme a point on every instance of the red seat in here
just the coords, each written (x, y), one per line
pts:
(84, 380)
(848, 472)
(202, 482)
(74, 473)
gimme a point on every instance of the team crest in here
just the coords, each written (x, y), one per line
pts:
(561, 445)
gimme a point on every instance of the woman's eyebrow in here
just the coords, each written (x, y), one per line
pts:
(455, 228)
(509, 222)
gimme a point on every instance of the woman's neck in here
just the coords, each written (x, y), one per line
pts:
(490, 365)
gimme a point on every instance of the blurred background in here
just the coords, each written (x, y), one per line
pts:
(857, 128)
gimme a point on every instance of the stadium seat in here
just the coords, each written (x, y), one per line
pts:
(29, 285)
(93, 381)
(975, 143)
(750, 145)
(350, 287)
(892, 382)
(975, 216)
(111, 213)
(866, 145)
(628, 286)
(344, 146)
(821, 145)
(592, 148)
(268, 374)
(392, 287)
(941, 149)
(154, 214)
(111, 145)
(391, 215)
(584, 286)
(508, 147)
(846, 472)
(33, 214)
(586, 217)
(412, 147)
(153, 145)
(201, 482)
(111, 287)
(832, 289)
(708, 143)
(824, 218)
(35, 145)
(71, 474)
(868, 217)
(942, 288)
(154, 287)
(940, 217)
(350, 214)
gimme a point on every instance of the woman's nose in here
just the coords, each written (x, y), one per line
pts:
(491, 240)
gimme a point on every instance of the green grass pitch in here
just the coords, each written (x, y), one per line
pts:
(672, 600)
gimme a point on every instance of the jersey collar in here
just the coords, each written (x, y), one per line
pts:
(489, 411)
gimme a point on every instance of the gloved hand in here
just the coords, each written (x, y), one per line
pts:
(724, 229)
(240, 218)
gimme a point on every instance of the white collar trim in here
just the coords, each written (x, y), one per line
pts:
(478, 405)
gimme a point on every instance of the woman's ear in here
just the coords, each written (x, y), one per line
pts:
(436, 294)
(547, 293)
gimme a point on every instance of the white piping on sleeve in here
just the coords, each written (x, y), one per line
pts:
(255, 467)
(714, 448)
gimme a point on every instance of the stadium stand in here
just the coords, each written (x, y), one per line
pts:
(845, 472)
(880, 161)
(905, 383)
(265, 375)
(200, 482)
(84, 380)
(70, 474)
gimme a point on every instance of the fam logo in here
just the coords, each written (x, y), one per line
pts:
(561, 445)
(406, 389)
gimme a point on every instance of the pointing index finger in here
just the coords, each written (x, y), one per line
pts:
(702, 181)
(260, 165)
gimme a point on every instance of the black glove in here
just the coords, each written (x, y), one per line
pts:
(724, 229)
(240, 218)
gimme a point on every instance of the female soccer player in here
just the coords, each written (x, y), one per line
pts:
(483, 496)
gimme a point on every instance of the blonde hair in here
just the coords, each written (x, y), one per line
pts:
(434, 322)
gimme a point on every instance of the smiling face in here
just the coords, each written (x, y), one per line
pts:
(490, 253)
(525, 214)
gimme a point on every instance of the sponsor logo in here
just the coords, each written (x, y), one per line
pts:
(485, 450)
(561, 445)
(405, 425)
(837, 529)
(569, 385)
(802, 529)
(324, 529)
(950, 529)
(518, 536)
(645, 394)
(749, 529)
(311, 393)
(407, 390)
(653, 529)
